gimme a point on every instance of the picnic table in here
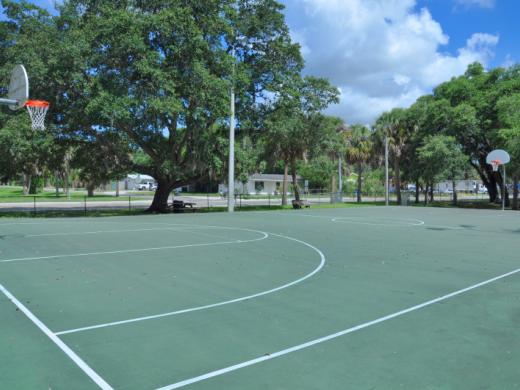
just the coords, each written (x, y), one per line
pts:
(180, 206)
(299, 204)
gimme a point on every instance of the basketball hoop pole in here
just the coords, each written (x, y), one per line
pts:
(231, 167)
(504, 188)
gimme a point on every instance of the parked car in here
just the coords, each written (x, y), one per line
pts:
(147, 186)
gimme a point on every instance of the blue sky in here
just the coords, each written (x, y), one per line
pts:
(386, 53)
(499, 17)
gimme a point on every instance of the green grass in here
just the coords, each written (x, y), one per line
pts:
(15, 195)
(126, 212)
(70, 213)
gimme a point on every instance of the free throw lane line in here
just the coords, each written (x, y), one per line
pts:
(55, 339)
(192, 309)
(311, 343)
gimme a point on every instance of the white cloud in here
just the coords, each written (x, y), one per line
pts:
(382, 53)
(476, 3)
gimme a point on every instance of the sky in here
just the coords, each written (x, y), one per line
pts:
(386, 53)
(383, 54)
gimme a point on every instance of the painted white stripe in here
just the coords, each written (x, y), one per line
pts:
(97, 232)
(316, 270)
(69, 352)
(308, 344)
(265, 235)
(366, 221)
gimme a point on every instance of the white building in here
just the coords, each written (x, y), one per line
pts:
(261, 183)
(460, 185)
(132, 181)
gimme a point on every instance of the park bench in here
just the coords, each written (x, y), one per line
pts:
(299, 204)
(181, 206)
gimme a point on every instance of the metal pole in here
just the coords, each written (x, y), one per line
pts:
(340, 180)
(231, 168)
(386, 171)
(504, 189)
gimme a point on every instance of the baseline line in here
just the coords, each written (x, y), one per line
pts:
(151, 317)
(133, 250)
(311, 343)
(69, 352)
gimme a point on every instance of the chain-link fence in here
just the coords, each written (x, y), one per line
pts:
(84, 204)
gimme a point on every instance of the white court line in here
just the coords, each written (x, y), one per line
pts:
(96, 232)
(355, 219)
(308, 344)
(265, 235)
(179, 228)
(398, 221)
(151, 317)
(69, 352)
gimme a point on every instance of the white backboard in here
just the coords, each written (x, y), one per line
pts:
(498, 155)
(18, 87)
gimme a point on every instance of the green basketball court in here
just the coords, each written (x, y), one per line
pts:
(362, 298)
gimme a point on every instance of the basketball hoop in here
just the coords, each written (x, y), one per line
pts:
(495, 164)
(37, 111)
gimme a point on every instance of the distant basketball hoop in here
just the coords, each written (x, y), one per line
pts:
(495, 159)
(37, 111)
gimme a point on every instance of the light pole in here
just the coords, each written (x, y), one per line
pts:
(386, 171)
(340, 179)
(231, 168)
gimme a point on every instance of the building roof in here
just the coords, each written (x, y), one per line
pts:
(138, 176)
(271, 177)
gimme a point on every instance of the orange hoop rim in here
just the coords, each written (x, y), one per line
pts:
(37, 103)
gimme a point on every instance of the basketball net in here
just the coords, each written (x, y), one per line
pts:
(37, 111)
(495, 164)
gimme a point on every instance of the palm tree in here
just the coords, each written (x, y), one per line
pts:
(358, 150)
(393, 125)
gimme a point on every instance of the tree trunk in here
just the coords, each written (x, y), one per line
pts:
(57, 183)
(359, 183)
(90, 190)
(284, 184)
(332, 186)
(416, 191)
(117, 188)
(426, 187)
(26, 183)
(33, 186)
(454, 185)
(161, 195)
(487, 176)
(296, 189)
(431, 193)
(397, 179)
(514, 205)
